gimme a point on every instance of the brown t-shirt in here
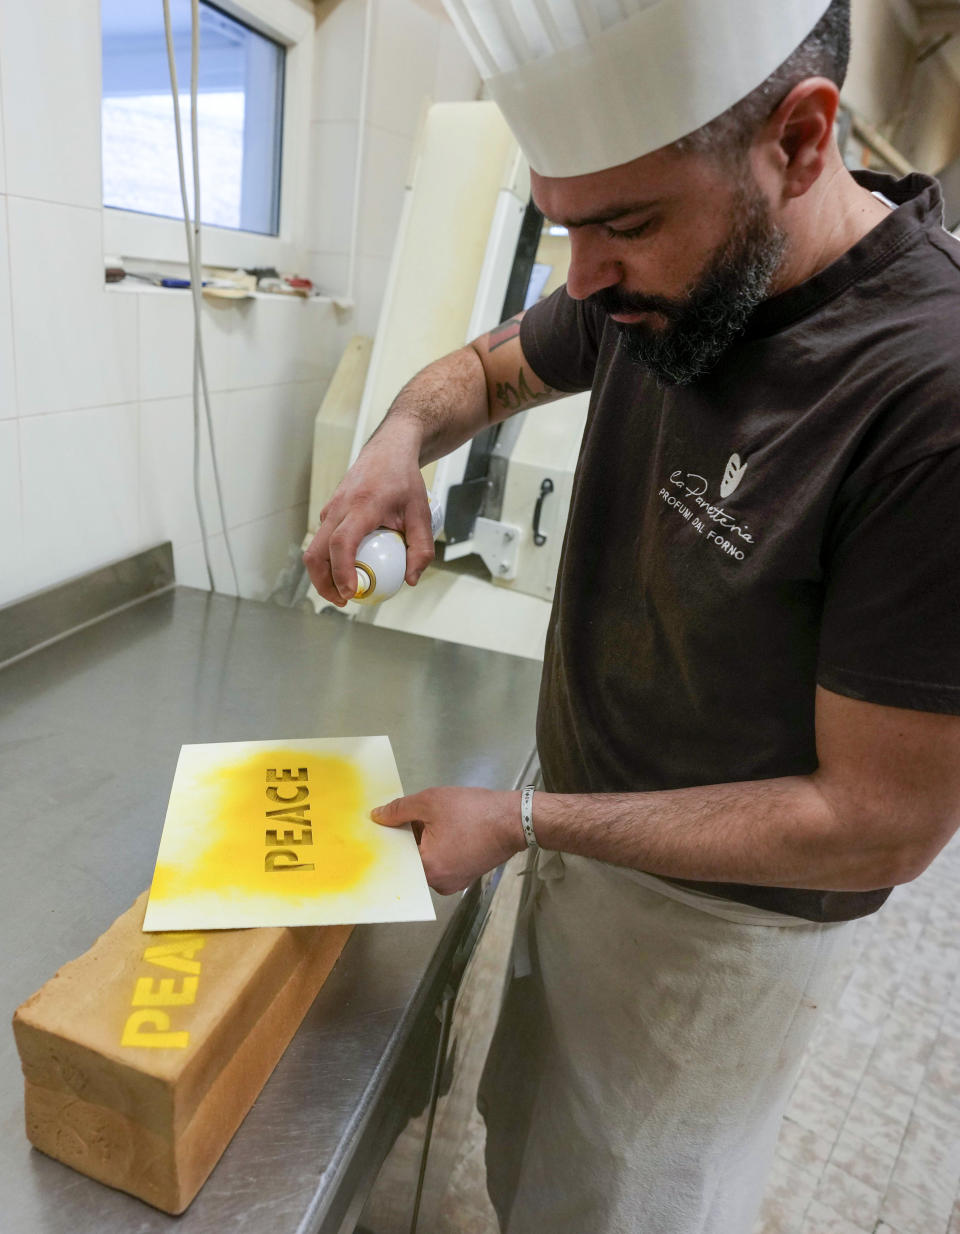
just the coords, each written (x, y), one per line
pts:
(791, 518)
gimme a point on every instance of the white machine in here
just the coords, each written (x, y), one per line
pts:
(466, 247)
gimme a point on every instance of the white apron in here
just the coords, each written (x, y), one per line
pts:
(648, 1042)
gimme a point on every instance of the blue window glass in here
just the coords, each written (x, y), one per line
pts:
(240, 110)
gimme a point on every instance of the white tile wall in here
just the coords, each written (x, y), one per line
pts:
(330, 210)
(190, 569)
(76, 344)
(264, 441)
(95, 413)
(456, 77)
(262, 551)
(167, 505)
(10, 528)
(310, 394)
(165, 342)
(273, 342)
(8, 391)
(404, 65)
(79, 475)
(329, 272)
(388, 162)
(259, 342)
(337, 61)
(266, 548)
(50, 74)
(416, 58)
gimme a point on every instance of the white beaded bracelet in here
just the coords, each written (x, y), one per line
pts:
(526, 816)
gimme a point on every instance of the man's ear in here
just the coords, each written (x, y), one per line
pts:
(798, 135)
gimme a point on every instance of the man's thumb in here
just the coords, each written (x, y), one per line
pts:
(392, 814)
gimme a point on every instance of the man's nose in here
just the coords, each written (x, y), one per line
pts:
(592, 266)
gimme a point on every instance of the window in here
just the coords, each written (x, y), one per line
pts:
(256, 74)
(240, 110)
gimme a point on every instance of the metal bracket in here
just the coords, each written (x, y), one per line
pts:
(498, 544)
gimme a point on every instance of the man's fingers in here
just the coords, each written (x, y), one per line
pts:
(331, 557)
(399, 811)
(317, 561)
(419, 536)
(392, 814)
(343, 554)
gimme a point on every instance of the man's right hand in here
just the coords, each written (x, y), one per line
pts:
(444, 405)
(384, 488)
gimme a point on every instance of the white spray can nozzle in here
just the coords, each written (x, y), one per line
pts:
(364, 583)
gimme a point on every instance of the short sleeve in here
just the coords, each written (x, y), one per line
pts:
(891, 622)
(560, 338)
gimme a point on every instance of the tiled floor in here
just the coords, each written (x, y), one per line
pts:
(871, 1140)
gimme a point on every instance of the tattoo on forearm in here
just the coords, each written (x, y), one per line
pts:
(504, 333)
(513, 397)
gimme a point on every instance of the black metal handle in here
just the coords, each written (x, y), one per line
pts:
(539, 538)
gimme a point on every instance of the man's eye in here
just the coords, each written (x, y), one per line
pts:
(628, 233)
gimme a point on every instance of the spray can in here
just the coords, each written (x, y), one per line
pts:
(382, 561)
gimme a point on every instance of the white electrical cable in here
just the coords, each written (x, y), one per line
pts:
(196, 279)
(195, 122)
(196, 276)
(175, 91)
(197, 343)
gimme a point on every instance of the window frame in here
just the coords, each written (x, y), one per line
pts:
(127, 233)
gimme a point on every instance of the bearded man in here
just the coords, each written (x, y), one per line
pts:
(748, 723)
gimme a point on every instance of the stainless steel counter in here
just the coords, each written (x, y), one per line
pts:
(90, 729)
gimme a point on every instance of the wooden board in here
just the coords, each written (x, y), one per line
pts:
(142, 1056)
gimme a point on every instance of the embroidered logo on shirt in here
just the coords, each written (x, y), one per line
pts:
(717, 525)
(732, 475)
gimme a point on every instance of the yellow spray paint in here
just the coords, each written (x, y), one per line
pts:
(278, 833)
(148, 1026)
(283, 822)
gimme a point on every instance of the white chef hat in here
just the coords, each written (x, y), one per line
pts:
(591, 84)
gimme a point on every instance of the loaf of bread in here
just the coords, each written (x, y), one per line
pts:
(142, 1056)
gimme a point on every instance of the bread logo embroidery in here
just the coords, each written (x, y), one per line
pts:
(732, 475)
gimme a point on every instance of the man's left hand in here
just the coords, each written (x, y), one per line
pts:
(462, 832)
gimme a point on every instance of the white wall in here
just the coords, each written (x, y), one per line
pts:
(95, 441)
(416, 58)
(881, 55)
(916, 105)
(928, 131)
(95, 413)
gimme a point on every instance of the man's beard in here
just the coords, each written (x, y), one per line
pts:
(714, 312)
